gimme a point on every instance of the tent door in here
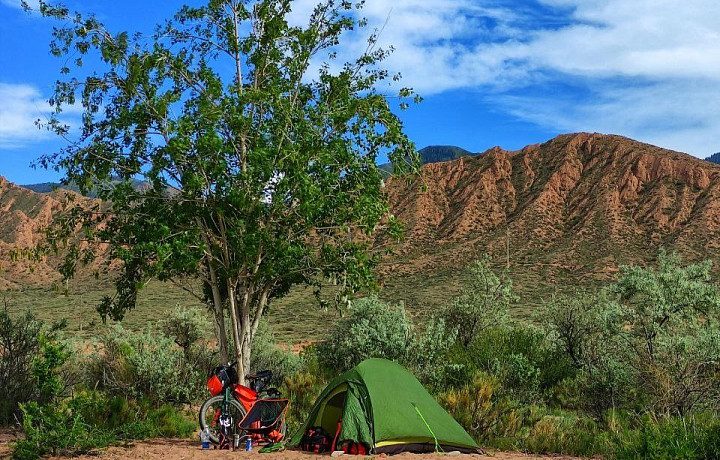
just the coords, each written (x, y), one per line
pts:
(332, 410)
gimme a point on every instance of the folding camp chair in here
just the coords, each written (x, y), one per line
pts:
(265, 422)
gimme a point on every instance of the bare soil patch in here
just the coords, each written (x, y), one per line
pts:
(170, 449)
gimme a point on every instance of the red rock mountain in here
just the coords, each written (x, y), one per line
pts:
(569, 210)
(23, 216)
(576, 206)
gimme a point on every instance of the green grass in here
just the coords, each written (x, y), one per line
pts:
(295, 318)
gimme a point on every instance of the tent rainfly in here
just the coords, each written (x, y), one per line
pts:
(385, 407)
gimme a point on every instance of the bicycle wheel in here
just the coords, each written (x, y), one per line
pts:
(210, 414)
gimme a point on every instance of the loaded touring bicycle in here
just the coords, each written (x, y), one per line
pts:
(237, 413)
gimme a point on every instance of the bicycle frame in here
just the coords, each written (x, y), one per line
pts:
(224, 418)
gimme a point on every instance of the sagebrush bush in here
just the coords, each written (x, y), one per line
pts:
(186, 326)
(147, 365)
(483, 304)
(371, 329)
(267, 354)
(427, 356)
(376, 329)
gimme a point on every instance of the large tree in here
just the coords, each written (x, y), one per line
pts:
(255, 146)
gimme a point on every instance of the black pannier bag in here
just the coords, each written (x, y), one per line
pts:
(315, 440)
(227, 375)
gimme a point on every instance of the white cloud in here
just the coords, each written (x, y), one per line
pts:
(670, 114)
(652, 66)
(34, 4)
(20, 106)
(647, 69)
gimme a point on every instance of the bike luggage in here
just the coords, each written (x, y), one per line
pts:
(316, 440)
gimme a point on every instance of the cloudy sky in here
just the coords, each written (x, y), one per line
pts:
(493, 72)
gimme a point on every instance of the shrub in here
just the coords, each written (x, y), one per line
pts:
(586, 329)
(519, 355)
(479, 408)
(375, 329)
(427, 355)
(670, 322)
(186, 326)
(302, 388)
(146, 366)
(372, 329)
(18, 346)
(268, 355)
(574, 323)
(92, 420)
(48, 425)
(668, 438)
(562, 434)
(51, 428)
(483, 304)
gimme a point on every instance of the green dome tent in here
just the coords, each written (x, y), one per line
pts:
(384, 406)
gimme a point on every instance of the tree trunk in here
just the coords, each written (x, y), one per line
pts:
(221, 332)
(247, 345)
(219, 311)
(236, 332)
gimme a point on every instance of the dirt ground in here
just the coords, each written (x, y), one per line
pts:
(183, 449)
(170, 449)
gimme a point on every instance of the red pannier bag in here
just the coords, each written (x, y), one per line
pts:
(355, 448)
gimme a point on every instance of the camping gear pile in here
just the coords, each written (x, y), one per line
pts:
(379, 407)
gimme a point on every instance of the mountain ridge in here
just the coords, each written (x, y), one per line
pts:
(575, 207)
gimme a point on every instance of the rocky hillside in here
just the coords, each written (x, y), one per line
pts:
(569, 210)
(23, 215)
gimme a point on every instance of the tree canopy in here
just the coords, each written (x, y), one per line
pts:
(256, 146)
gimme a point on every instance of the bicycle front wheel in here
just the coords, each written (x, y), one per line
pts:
(209, 416)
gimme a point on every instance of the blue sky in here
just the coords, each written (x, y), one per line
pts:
(493, 72)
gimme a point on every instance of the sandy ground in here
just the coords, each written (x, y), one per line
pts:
(183, 449)
(164, 449)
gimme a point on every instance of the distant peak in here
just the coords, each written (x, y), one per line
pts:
(439, 153)
(714, 158)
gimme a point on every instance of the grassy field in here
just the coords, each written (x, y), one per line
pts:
(295, 318)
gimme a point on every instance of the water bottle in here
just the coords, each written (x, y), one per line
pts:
(205, 438)
(248, 444)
